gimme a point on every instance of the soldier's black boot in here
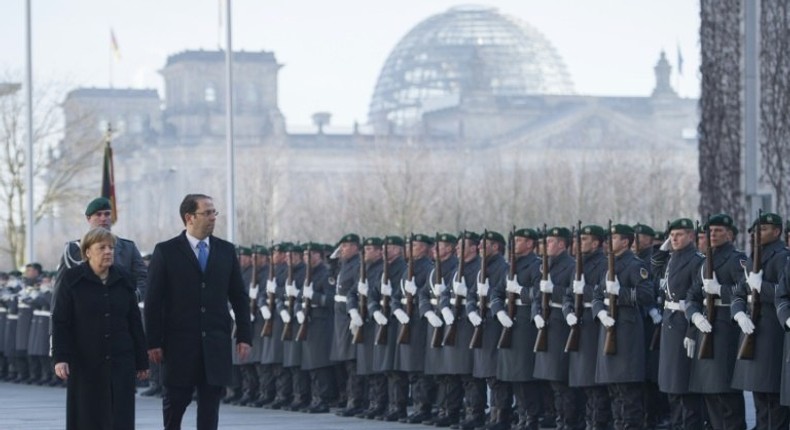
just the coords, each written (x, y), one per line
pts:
(372, 412)
(395, 413)
(46, 371)
(3, 367)
(232, 394)
(34, 370)
(22, 370)
(447, 419)
(472, 420)
(420, 414)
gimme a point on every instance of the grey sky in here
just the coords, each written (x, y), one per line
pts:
(332, 51)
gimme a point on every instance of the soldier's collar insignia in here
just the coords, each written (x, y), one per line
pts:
(743, 264)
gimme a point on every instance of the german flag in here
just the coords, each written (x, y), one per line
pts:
(108, 180)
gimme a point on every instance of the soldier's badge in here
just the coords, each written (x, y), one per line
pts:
(643, 273)
(332, 280)
(743, 264)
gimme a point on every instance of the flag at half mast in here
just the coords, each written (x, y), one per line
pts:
(108, 178)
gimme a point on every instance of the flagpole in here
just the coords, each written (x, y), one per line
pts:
(30, 231)
(231, 192)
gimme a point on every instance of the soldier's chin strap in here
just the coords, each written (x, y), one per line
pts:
(68, 260)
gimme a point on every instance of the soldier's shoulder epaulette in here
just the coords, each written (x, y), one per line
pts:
(699, 254)
(125, 240)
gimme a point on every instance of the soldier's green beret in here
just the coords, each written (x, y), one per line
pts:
(351, 237)
(243, 250)
(644, 229)
(260, 250)
(424, 238)
(394, 240)
(496, 237)
(373, 241)
(622, 229)
(294, 247)
(281, 247)
(659, 235)
(769, 218)
(594, 230)
(527, 233)
(722, 220)
(98, 204)
(446, 237)
(474, 237)
(562, 232)
(313, 246)
(329, 248)
(681, 223)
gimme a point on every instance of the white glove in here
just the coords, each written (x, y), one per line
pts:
(380, 318)
(285, 316)
(666, 246)
(711, 286)
(386, 289)
(513, 286)
(253, 294)
(307, 291)
(504, 319)
(701, 322)
(410, 287)
(460, 289)
(539, 322)
(482, 288)
(747, 326)
(613, 287)
(356, 318)
(448, 316)
(606, 320)
(300, 317)
(578, 286)
(401, 316)
(267, 314)
(474, 318)
(271, 286)
(362, 288)
(291, 290)
(787, 323)
(439, 288)
(655, 315)
(689, 344)
(433, 319)
(546, 286)
(232, 315)
(571, 319)
(755, 280)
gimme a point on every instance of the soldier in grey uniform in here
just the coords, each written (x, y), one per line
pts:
(264, 374)
(352, 387)
(38, 343)
(783, 315)
(582, 363)
(245, 380)
(623, 371)
(25, 369)
(273, 345)
(552, 364)
(4, 297)
(410, 357)
(515, 365)
(763, 374)
(13, 289)
(292, 350)
(319, 295)
(677, 336)
(713, 376)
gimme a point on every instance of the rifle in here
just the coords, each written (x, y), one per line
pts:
(288, 328)
(254, 282)
(383, 330)
(706, 343)
(578, 300)
(301, 334)
(452, 329)
(746, 350)
(363, 300)
(542, 340)
(482, 300)
(404, 337)
(610, 341)
(436, 339)
(268, 325)
(696, 236)
(655, 341)
(506, 338)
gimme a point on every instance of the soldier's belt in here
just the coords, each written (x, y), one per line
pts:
(716, 302)
(555, 305)
(341, 299)
(3, 310)
(23, 306)
(42, 313)
(675, 306)
(588, 305)
(12, 317)
(520, 302)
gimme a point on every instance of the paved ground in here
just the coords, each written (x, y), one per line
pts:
(25, 407)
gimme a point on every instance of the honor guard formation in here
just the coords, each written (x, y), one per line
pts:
(582, 327)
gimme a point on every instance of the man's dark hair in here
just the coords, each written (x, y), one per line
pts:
(190, 204)
(35, 266)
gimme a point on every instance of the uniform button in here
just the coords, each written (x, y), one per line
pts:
(202, 285)
(204, 334)
(107, 314)
(202, 309)
(106, 357)
(106, 335)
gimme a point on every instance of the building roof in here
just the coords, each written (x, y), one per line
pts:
(219, 56)
(113, 93)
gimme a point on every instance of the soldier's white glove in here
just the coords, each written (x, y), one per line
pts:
(300, 317)
(539, 322)
(711, 286)
(482, 288)
(504, 319)
(433, 319)
(460, 288)
(755, 281)
(787, 323)
(307, 291)
(571, 319)
(271, 286)
(362, 288)
(439, 288)
(689, 344)
(253, 293)
(386, 289)
(356, 318)
(380, 318)
(474, 318)
(655, 314)
(410, 287)
(578, 286)
(448, 316)
(285, 316)
(267, 314)
(701, 322)
(667, 245)
(291, 290)
(401, 316)
(746, 324)
(513, 286)
(613, 287)
(547, 286)
(232, 315)
(606, 320)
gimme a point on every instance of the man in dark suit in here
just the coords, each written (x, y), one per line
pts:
(191, 279)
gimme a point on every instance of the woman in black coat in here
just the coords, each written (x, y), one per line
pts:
(97, 339)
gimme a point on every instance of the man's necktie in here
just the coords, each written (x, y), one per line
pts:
(202, 255)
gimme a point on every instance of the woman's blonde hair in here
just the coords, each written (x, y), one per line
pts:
(95, 235)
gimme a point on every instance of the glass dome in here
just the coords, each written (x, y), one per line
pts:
(465, 48)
